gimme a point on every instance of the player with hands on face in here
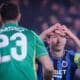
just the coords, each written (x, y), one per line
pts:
(63, 60)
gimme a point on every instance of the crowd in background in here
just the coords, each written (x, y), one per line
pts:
(39, 15)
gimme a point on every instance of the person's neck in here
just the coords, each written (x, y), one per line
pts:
(10, 21)
(57, 54)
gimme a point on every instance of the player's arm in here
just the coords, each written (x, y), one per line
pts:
(44, 34)
(48, 67)
(71, 36)
(42, 55)
(46, 62)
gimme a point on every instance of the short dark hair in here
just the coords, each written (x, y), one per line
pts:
(9, 11)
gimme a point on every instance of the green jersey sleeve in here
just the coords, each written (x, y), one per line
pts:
(40, 47)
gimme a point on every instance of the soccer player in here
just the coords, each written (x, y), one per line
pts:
(63, 60)
(19, 47)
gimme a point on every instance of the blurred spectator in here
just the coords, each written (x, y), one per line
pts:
(39, 13)
(44, 26)
(76, 24)
(15, 1)
(73, 11)
(52, 19)
(54, 7)
(62, 11)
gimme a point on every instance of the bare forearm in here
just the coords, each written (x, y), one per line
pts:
(76, 41)
(46, 62)
(72, 36)
(44, 34)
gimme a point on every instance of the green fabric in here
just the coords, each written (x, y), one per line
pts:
(76, 59)
(18, 49)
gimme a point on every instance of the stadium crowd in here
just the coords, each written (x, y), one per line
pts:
(38, 15)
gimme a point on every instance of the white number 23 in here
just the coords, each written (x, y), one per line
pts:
(13, 50)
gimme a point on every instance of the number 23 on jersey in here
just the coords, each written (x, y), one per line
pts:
(5, 41)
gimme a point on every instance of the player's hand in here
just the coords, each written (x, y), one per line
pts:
(47, 32)
(48, 75)
(63, 30)
(68, 33)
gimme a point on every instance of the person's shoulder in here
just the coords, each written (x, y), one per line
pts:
(30, 32)
(70, 52)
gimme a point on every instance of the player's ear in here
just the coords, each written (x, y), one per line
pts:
(0, 18)
(18, 17)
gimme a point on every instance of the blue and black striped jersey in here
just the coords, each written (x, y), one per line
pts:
(64, 67)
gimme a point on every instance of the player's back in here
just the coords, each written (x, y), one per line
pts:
(17, 55)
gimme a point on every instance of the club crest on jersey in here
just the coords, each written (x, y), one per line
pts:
(64, 64)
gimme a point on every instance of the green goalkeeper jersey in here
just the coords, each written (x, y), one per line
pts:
(18, 49)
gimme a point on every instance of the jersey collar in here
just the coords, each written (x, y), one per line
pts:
(10, 24)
